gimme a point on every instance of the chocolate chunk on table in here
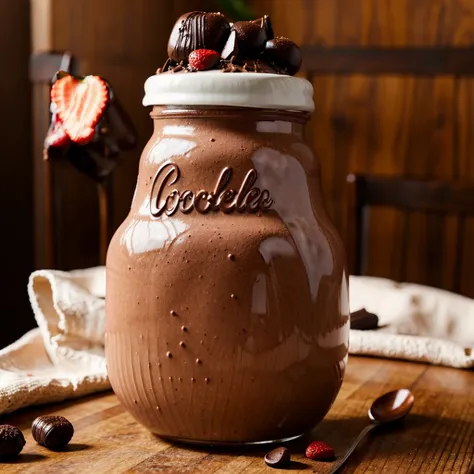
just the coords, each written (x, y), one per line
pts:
(363, 320)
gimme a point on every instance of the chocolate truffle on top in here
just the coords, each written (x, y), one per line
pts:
(284, 54)
(251, 38)
(243, 46)
(197, 30)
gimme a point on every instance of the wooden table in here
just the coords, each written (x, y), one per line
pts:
(437, 437)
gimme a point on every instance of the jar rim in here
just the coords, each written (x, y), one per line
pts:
(214, 88)
(229, 112)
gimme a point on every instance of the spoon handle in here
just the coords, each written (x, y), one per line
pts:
(354, 445)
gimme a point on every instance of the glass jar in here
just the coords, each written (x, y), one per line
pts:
(227, 298)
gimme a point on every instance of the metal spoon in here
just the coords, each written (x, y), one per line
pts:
(389, 407)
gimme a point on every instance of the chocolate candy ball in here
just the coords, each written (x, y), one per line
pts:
(197, 30)
(11, 441)
(251, 38)
(284, 54)
(52, 432)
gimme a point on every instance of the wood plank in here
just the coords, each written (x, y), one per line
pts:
(359, 125)
(412, 194)
(72, 409)
(437, 436)
(373, 23)
(407, 61)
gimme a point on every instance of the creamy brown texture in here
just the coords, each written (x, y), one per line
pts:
(232, 326)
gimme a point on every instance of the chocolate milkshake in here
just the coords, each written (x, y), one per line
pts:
(227, 302)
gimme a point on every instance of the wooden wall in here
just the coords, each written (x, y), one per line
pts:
(16, 193)
(370, 118)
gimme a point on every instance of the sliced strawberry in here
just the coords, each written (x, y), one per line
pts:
(320, 451)
(56, 136)
(80, 104)
(203, 59)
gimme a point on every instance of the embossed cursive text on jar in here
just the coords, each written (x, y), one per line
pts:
(248, 198)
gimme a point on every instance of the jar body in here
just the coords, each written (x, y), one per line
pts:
(227, 302)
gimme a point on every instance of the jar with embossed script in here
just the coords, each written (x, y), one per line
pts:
(227, 299)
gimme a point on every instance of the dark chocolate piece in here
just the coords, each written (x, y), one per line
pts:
(279, 458)
(231, 47)
(363, 320)
(197, 30)
(284, 54)
(266, 25)
(251, 38)
(11, 441)
(52, 432)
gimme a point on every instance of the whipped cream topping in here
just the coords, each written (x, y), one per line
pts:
(215, 88)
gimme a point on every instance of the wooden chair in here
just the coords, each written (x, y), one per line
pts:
(406, 194)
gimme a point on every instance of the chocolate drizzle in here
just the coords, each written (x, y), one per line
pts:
(251, 65)
(172, 67)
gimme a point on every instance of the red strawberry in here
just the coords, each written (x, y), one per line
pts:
(203, 59)
(56, 136)
(320, 451)
(80, 104)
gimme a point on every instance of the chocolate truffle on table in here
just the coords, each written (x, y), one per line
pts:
(11, 441)
(284, 54)
(251, 38)
(52, 432)
(197, 30)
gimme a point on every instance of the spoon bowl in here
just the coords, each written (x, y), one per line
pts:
(391, 406)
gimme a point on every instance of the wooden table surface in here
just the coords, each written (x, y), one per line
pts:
(437, 437)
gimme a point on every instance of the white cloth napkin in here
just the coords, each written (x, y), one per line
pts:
(64, 357)
(418, 323)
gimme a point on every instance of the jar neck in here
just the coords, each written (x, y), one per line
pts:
(266, 120)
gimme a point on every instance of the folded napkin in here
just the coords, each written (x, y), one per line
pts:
(64, 357)
(417, 322)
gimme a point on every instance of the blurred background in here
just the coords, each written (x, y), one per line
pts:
(394, 96)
